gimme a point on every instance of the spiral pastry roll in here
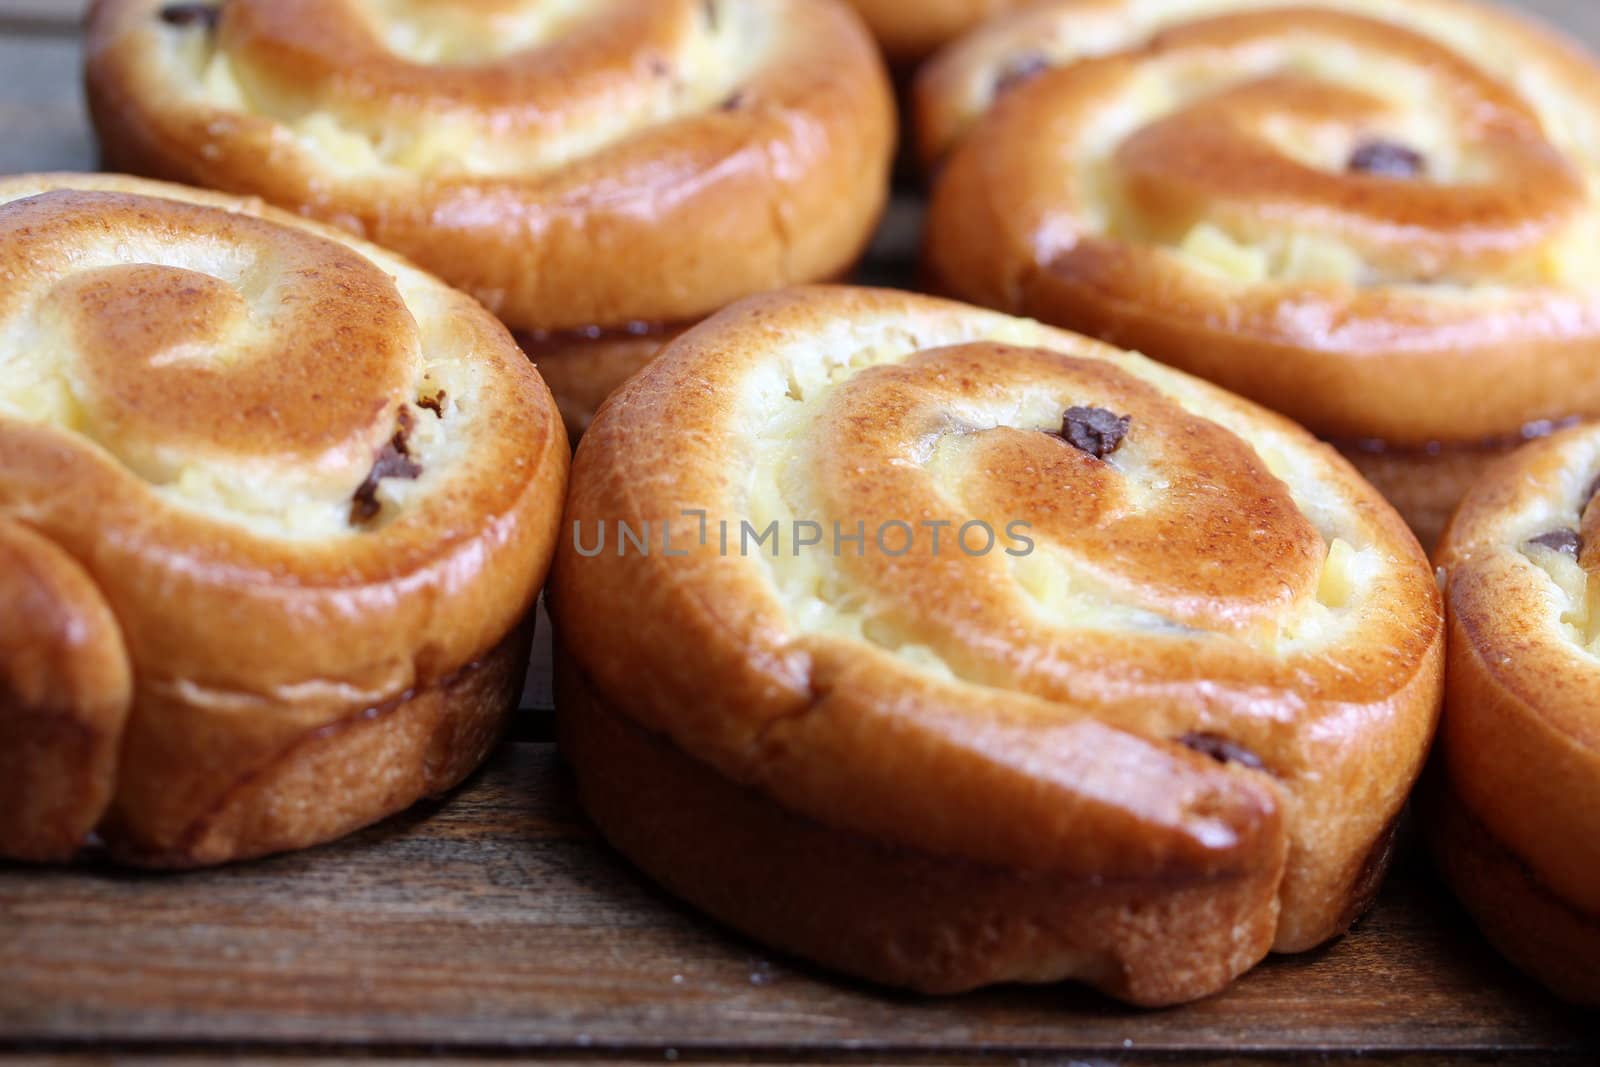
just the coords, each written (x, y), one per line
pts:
(945, 648)
(597, 172)
(274, 506)
(1515, 825)
(1380, 219)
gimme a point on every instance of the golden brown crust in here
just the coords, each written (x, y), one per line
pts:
(1216, 667)
(959, 86)
(335, 779)
(640, 160)
(912, 32)
(1520, 747)
(1425, 485)
(300, 478)
(892, 914)
(1183, 179)
(1537, 930)
(582, 370)
(65, 686)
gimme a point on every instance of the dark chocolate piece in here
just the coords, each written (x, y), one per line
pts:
(1387, 159)
(1222, 750)
(1566, 542)
(203, 15)
(1094, 430)
(434, 403)
(393, 461)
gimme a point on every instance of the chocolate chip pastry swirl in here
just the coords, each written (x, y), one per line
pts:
(1122, 678)
(1515, 825)
(273, 508)
(598, 173)
(1378, 218)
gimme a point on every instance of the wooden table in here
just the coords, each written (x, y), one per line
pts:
(496, 923)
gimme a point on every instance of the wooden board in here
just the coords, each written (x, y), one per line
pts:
(496, 923)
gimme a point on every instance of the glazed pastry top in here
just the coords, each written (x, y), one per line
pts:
(247, 428)
(572, 165)
(1093, 577)
(437, 87)
(1245, 187)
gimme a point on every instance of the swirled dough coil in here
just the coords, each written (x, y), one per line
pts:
(586, 168)
(274, 506)
(1378, 218)
(1121, 679)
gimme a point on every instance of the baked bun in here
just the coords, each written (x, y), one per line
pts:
(578, 167)
(1136, 720)
(911, 32)
(1377, 218)
(1517, 826)
(274, 506)
(582, 368)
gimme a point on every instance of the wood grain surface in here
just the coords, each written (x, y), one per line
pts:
(495, 923)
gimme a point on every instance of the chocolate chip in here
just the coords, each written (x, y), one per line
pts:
(434, 403)
(1222, 750)
(1387, 159)
(1566, 542)
(1024, 68)
(393, 461)
(1094, 430)
(734, 102)
(202, 15)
